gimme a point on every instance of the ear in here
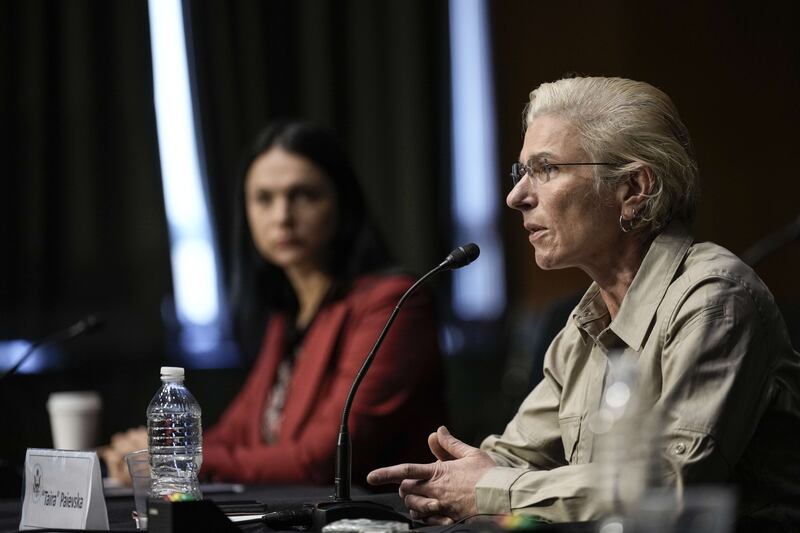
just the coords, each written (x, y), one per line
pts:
(633, 193)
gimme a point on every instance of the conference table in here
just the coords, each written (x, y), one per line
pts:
(119, 505)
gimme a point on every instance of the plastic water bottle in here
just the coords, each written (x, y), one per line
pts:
(628, 442)
(174, 438)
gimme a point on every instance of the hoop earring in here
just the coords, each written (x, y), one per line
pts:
(623, 222)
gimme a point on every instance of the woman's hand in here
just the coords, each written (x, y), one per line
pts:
(113, 454)
(441, 492)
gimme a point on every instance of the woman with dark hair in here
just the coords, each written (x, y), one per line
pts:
(312, 281)
(260, 285)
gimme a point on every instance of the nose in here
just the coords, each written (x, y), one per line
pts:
(282, 210)
(521, 196)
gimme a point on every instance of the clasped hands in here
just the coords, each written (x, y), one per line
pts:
(113, 454)
(441, 492)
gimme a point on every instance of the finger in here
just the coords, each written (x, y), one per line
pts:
(413, 486)
(407, 486)
(140, 437)
(422, 506)
(452, 445)
(438, 520)
(436, 448)
(117, 440)
(397, 473)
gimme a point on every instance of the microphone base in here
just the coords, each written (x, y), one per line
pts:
(314, 516)
(323, 513)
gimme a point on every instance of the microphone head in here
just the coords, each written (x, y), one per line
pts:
(93, 323)
(88, 325)
(462, 256)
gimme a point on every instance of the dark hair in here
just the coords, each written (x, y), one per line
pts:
(258, 287)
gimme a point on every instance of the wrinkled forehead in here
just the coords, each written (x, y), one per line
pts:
(551, 137)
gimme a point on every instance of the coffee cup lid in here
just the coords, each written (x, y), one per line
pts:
(74, 400)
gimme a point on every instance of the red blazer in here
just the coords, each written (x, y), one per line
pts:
(399, 402)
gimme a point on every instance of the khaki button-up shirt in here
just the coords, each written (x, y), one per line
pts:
(712, 352)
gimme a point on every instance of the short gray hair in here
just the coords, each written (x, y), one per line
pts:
(632, 125)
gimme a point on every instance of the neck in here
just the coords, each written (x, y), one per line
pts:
(310, 286)
(616, 276)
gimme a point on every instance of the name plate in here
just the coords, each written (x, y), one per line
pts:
(63, 489)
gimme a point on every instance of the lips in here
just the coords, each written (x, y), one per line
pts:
(287, 242)
(533, 227)
(535, 231)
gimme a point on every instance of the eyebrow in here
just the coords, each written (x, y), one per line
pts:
(539, 155)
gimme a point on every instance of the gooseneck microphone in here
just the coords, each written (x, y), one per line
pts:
(88, 325)
(315, 516)
(460, 257)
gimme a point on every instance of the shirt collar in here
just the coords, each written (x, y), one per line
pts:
(591, 314)
(663, 258)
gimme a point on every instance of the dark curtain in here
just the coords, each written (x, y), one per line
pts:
(83, 227)
(375, 70)
(82, 223)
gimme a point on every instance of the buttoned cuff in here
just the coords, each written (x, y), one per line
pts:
(493, 490)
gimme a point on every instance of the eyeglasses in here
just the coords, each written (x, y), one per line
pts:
(542, 170)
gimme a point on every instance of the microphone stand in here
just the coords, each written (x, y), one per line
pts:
(772, 242)
(341, 506)
(342, 481)
(82, 327)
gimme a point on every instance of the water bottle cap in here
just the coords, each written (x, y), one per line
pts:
(171, 372)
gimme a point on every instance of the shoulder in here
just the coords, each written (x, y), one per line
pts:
(713, 282)
(706, 259)
(380, 283)
(380, 290)
(711, 265)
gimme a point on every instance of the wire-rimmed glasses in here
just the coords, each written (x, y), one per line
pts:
(541, 170)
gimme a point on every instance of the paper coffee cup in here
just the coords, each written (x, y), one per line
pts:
(74, 419)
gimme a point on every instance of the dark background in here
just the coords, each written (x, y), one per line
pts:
(83, 226)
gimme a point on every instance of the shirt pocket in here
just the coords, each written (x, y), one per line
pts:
(570, 436)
